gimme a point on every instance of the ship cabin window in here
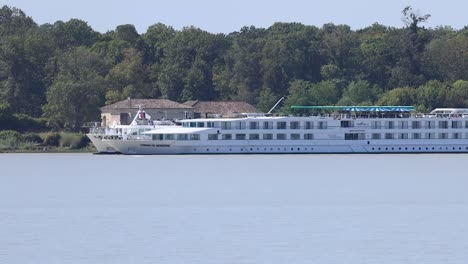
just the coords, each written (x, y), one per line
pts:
(267, 136)
(200, 124)
(182, 137)
(194, 136)
(227, 137)
(416, 135)
(416, 124)
(295, 136)
(158, 136)
(376, 136)
(254, 136)
(403, 136)
(388, 135)
(443, 135)
(430, 135)
(457, 135)
(281, 136)
(403, 124)
(253, 125)
(226, 125)
(294, 125)
(389, 124)
(169, 136)
(456, 124)
(376, 125)
(281, 125)
(322, 125)
(240, 125)
(210, 124)
(308, 136)
(430, 124)
(193, 124)
(212, 136)
(347, 123)
(354, 136)
(466, 124)
(443, 124)
(240, 136)
(309, 125)
(268, 125)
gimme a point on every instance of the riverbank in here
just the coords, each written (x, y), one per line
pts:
(63, 142)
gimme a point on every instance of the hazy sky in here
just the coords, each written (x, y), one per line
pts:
(228, 16)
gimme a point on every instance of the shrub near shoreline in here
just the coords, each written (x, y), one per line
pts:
(13, 141)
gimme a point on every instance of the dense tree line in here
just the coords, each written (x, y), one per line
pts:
(65, 71)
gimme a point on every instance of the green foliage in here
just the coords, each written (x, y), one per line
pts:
(52, 139)
(73, 141)
(32, 137)
(65, 71)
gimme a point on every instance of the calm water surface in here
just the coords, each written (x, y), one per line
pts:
(84, 208)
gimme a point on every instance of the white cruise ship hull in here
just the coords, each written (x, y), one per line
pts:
(382, 146)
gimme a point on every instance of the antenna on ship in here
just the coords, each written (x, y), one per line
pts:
(277, 103)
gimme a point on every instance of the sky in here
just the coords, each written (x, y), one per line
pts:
(218, 16)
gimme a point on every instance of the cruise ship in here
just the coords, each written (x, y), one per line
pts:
(345, 129)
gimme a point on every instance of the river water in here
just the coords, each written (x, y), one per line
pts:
(84, 208)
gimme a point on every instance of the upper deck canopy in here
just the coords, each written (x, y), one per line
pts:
(359, 108)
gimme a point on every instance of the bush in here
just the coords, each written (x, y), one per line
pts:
(11, 135)
(32, 137)
(24, 122)
(74, 141)
(52, 139)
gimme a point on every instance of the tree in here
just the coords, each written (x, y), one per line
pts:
(360, 93)
(77, 91)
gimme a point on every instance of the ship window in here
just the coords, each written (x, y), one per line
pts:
(416, 135)
(376, 136)
(456, 135)
(322, 125)
(402, 124)
(200, 124)
(443, 135)
(430, 135)
(466, 124)
(240, 136)
(212, 136)
(389, 124)
(430, 124)
(227, 137)
(182, 137)
(403, 135)
(169, 136)
(209, 124)
(354, 136)
(281, 136)
(294, 125)
(308, 136)
(456, 124)
(158, 136)
(416, 124)
(309, 125)
(267, 136)
(194, 136)
(240, 125)
(347, 123)
(253, 125)
(193, 124)
(268, 125)
(388, 135)
(226, 125)
(185, 124)
(295, 136)
(376, 125)
(254, 136)
(443, 124)
(281, 125)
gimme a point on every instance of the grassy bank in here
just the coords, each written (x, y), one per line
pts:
(13, 141)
